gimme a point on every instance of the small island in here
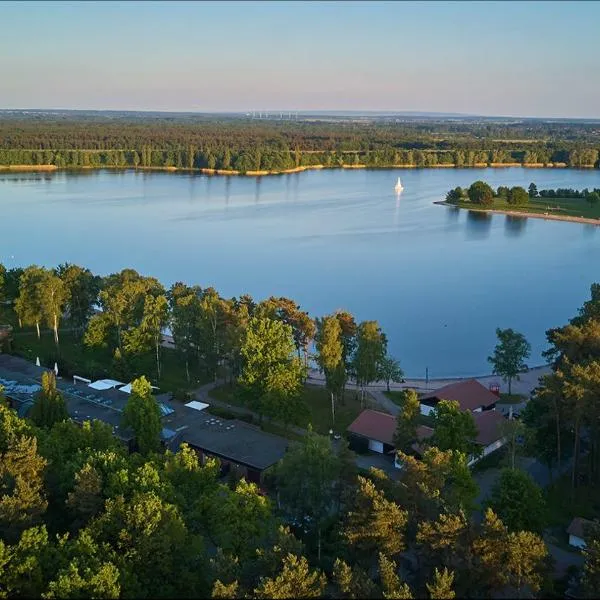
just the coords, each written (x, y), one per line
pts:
(562, 204)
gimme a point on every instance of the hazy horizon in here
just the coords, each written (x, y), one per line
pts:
(489, 59)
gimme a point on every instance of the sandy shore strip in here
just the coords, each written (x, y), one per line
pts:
(518, 213)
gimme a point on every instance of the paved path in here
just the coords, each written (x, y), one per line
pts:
(528, 381)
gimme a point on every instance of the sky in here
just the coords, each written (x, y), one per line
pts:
(537, 59)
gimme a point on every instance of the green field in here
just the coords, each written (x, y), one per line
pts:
(317, 407)
(570, 207)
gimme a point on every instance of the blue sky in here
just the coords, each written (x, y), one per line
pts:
(496, 58)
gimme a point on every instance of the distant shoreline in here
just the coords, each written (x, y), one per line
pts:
(206, 171)
(522, 213)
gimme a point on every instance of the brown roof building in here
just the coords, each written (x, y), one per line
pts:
(374, 425)
(470, 395)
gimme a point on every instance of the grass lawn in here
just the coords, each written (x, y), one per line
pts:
(572, 207)
(398, 399)
(317, 410)
(75, 358)
(510, 399)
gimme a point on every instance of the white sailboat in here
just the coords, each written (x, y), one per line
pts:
(398, 186)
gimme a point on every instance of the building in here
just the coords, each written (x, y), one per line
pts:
(240, 447)
(577, 532)
(470, 395)
(489, 435)
(372, 430)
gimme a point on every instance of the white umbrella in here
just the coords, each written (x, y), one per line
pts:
(56, 369)
(37, 361)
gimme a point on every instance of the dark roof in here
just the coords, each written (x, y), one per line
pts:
(81, 410)
(469, 394)
(488, 426)
(235, 441)
(577, 527)
(374, 425)
(16, 365)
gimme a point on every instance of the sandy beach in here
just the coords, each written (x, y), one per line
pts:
(520, 213)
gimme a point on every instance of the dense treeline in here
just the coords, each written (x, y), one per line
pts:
(264, 346)
(80, 517)
(482, 193)
(249, 145)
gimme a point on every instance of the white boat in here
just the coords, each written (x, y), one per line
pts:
(398, 186)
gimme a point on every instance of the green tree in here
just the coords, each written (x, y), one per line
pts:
(49, 405)
(305, 481)
(241, 521)
(481, 193)
(154, 320)
(142, 414)
(81, 293)
(455, 196)
(374, 524)
(513, 432)
(52, 297)
(22, 498)
(353, 582)
(532, 190)
(393, 588)
(330, 356)
(454, 429)
(518, 501)
(593, 198)
(184, 302)
(86, 498)
(509, 355)
(272, 375)
(389, 370)
(296, 580)
(441, 586)
(518, 195)
(370, 351)
(28, 305)
(2, 280)
(349, 329)
(407, 421)
(590, 575)
(85, 582)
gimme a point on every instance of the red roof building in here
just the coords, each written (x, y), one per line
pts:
(470, 395)
(375, 429)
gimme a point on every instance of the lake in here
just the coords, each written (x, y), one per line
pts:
(439, 280)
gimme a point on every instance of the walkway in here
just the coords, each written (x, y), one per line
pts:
(524, 386)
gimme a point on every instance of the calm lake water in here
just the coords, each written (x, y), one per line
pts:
(438, 280)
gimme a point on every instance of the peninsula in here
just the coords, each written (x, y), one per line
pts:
(577, 206)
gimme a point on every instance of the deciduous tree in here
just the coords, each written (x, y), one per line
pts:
(142, 414)
(49, 405)
(509, 355)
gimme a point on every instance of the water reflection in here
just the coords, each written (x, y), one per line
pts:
(453, 212)
(257, 189)
(397, 211)
(478, 225)
(514, 226)
(227, 191)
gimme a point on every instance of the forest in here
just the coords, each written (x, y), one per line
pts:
(243, 145)
(80, 516)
